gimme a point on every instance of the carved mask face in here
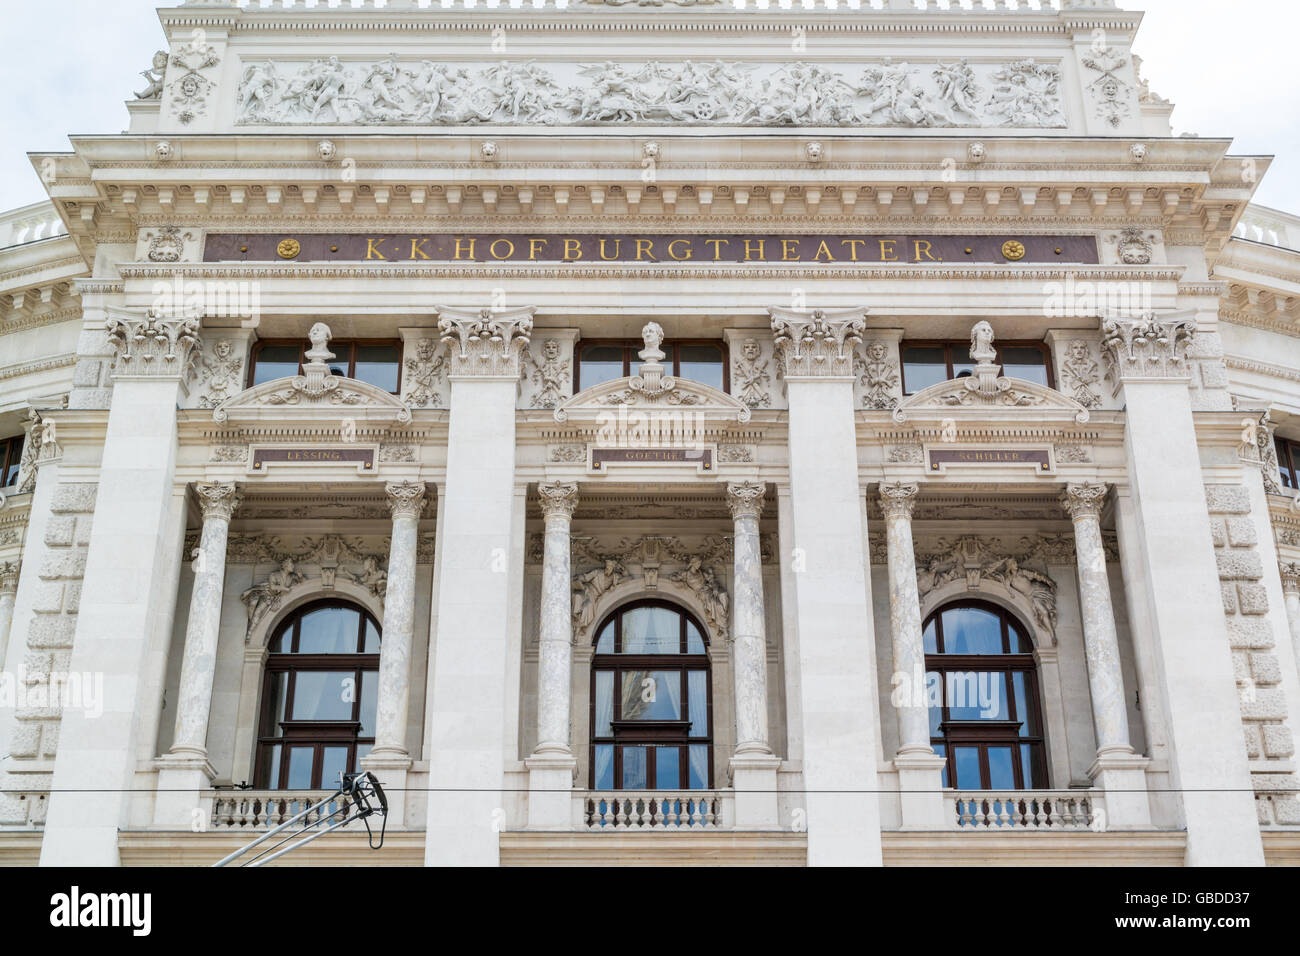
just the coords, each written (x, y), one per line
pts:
(1079, 351)
(551, 349)
(750, 350)
(876, 352)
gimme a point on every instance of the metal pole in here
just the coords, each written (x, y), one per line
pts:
(270, 833)
(293, 846)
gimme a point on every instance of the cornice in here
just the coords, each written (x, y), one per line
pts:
(1263, 368)
(1252, 321)
(44, 365)
(39, 320)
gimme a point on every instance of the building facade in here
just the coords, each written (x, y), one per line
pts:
(638, 431)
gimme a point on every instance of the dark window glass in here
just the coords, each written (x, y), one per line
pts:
(700, 363)
(319, 697)
(1288, 458)
(929, 363)
(376, 363)
(11, 457)
(984, 710)
(651, 712)
(704, 362)
(600, 363)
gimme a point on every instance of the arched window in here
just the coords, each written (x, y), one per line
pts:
(985, 716)
(651, 701)
(318, 699)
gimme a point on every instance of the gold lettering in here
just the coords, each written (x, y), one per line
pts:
(690, 253)
(645, 246)
(749, 243)
(853, 246)
(888, 254)
(785, 250)
(416, 249)
(372, 252)
(823, 250)
(617, 244)
(918, 243)
(532, 247)
(572, 249)
(717, 247)
(493, 248)
(459, 242)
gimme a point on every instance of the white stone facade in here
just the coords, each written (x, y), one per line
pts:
(996, 183)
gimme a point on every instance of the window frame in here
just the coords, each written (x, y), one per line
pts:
(948, 344)
(984, 734)
(317, 734)
(302, 347)
(1288, 454)
(650, 733)
(11, 456)
(631, 347)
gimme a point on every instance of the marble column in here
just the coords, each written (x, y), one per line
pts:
(753, 765)
(406, 500)
(551, 765)
(831, 589)
(1147, 357)
(920, 780)
(1291, 590)
(8, 593)
(1118, 769)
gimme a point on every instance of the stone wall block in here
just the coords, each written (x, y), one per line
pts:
(1227, 499)
(1239, 565)
(1252, 598)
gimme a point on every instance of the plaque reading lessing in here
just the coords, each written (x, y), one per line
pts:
(701, 458)
(940, 458)
(361, 456)
(837, 248)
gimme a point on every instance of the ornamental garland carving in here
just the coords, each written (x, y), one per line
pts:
(549, 375)
(333, 557)
(1019, 94)
(167, 244)
(878, 376)
(1081, 374)
(751, 376)
(425, 373)
(222, 374)
(190, 90)
(1109, 92)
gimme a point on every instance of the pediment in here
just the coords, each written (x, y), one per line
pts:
(301, 397)
(982, 396)
(650, 395)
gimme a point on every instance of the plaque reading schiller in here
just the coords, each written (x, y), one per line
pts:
(361, 456)
(1039, 457)
(701, 458)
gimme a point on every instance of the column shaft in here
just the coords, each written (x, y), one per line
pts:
(406, 502)
(897, 501)
(748, 627)
(555, 650)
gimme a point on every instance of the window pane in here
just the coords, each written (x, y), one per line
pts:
(1024, 713)
(923, 367)
(699, 766)
(275, 361)
(968, 768)
(605, 645)
(329, 630)
(1016, 641)
(277, 685)
(271, 767)
(934, 693)
(599, 363)
(634, 768)
(604, 768)
(369, 702)
(961, 361)
(668, 774)
(333, 763)
(371, 640)
(363, 751)
(970, 630)
(652, 630)
(976, 695)
(14, 448)
(1001, 773)
(652, 695)
(342, 359)
(931, 638)
(1022, 362)
(1284, 462)
(701, 363)
(604, 704)
(377, 365)
(697, 705)
(1029, 766)
(323, 695)
(301, 760)
(694, 642)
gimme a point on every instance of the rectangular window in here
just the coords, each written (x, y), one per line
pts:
(377, 363)
(11, 456)
(1288, 458)
(697, 361)
(929, 363)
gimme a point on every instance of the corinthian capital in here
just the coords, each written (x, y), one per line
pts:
(558, 498)
(486, 342)
(1084, 499)
(217, 499)
(817, 343)
(745, 498)
(159, 343)
(1146, 346)
(405, 498)
(898, 498)
(1291, 578)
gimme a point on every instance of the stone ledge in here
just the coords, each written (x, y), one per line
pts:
(1118, 848)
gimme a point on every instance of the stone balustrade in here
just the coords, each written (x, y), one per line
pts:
(265, 809)
(793, 6)
(29, 223)
(1025, 809)
(654, 810)
(1270, 226)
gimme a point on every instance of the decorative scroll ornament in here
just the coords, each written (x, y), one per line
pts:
(316, 387)
(817, 343)
(1134, 247)
(745, 498)
(217, 499)
(191, 89)
(406, 499)
(558, 498)
(168, 244)
(484, 342)
(1084, 499)
(1109, 92)
(879, 377)
(898, 499)
(154, 345)
(886, 93)
(1146, 346)
(984, 387)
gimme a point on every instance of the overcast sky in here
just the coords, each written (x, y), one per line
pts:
(69, 64)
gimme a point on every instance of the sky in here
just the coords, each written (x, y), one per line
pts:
(70, 64)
